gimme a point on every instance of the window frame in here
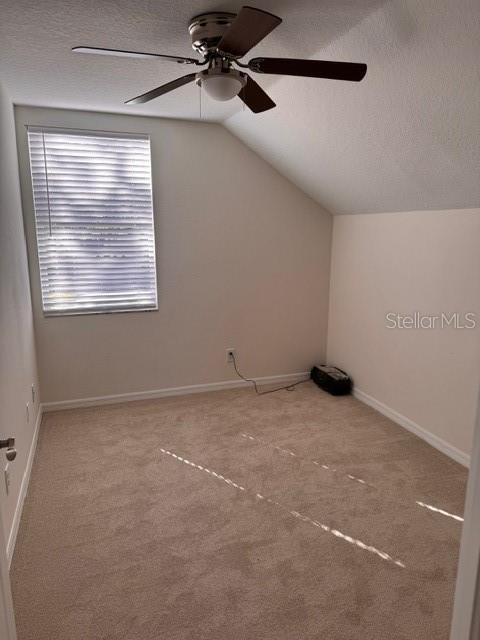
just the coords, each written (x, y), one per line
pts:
(36, 128)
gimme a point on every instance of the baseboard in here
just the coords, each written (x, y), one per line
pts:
(406, 423)
(172, 391)
(23, 488)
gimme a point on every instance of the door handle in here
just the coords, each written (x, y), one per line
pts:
(9, 445)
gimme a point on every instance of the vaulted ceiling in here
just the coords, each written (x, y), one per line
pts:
(405, 138)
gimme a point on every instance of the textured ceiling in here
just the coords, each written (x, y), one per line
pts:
(38, 68)
(406, 138)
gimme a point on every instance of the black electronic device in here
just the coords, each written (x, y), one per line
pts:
(331, 379)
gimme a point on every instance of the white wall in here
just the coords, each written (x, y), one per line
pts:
(18, 369)
(406, 262)
(243, 261)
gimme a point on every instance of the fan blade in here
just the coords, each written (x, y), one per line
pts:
(164, 88)
(133, 54)
(255, 97)
(310, 68)
(249, 27)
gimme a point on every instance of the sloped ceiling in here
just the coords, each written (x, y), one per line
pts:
(406, 138)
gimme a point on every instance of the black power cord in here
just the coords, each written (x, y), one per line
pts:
(288, 387)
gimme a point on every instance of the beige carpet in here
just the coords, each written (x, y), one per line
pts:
(226, 516)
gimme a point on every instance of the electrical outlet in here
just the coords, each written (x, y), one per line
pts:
(27, 409)
(231, 353)
(33, 394)
(7, 477)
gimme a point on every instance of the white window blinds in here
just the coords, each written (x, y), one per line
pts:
(94, 220)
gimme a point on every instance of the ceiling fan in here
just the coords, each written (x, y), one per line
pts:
(222, 39)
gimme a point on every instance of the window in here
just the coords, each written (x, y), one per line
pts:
(94, 221)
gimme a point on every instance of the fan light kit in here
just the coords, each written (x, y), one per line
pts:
(220, 81)
(222, 39)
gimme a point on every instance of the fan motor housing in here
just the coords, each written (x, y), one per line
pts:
(207, 29)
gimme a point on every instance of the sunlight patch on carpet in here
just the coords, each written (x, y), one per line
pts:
(296, 514)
